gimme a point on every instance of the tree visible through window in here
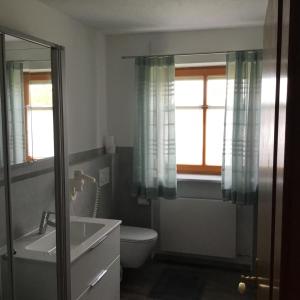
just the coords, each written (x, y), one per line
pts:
(200, 107)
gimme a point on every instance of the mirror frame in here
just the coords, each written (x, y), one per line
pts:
(60, 166)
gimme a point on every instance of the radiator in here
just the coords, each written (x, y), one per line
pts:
(198, 226)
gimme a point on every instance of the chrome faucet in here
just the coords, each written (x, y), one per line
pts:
(45, 221)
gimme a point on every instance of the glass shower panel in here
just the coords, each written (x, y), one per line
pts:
(4, 269)
(31, 149)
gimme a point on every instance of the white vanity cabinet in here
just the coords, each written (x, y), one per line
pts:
(95, 262)
(108, 288)
(96, 274)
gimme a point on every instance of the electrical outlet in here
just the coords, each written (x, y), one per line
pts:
(104, 176)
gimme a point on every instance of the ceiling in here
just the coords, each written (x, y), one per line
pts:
(125, 16)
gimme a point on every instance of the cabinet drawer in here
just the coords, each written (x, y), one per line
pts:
(107, 287)
(98, 258)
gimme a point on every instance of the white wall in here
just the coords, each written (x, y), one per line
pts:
(120, 73)
(84, 71)
(101, 110)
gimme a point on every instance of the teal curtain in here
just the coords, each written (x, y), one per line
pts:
(16, 112)
(154, 149)
(242, 123)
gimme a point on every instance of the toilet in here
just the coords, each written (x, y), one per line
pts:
(136, 245)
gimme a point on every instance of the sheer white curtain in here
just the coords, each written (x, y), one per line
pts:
(16, 112)
(154, 150)
(242, 124)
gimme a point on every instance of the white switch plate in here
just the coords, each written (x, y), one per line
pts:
(104, 176)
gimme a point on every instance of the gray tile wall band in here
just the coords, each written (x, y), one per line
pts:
(37, 168)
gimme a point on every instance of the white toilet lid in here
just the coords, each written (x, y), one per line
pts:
(131, 233)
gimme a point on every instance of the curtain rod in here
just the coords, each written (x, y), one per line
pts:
(188, 54)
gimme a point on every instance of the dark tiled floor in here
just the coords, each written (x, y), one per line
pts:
(169, 281)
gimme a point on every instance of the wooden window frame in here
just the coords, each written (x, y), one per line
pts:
(27, 78)
(203, 72)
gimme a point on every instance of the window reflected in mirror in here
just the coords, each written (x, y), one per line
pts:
(29, 100)
(38, 115)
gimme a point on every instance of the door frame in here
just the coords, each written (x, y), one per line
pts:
(285, 246)
(290, 246)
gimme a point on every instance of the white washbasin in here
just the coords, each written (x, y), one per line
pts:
(46, 243)
(79, 233)
(84, 234)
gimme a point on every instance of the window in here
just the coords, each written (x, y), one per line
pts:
(38, 115)
(200, 107)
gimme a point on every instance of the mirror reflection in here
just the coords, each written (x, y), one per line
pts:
(32, 193)
(29, 100)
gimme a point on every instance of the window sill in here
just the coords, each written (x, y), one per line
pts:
(197, 177)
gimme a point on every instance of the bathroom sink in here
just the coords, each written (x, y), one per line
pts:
(79, 233)
(84, 234)
(46, 243)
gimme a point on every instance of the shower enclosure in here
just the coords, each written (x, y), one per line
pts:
(33, 177)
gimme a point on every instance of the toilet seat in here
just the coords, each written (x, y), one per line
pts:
(134, 234)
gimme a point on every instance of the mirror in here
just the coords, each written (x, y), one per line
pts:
(30, 137)
(29, 98)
